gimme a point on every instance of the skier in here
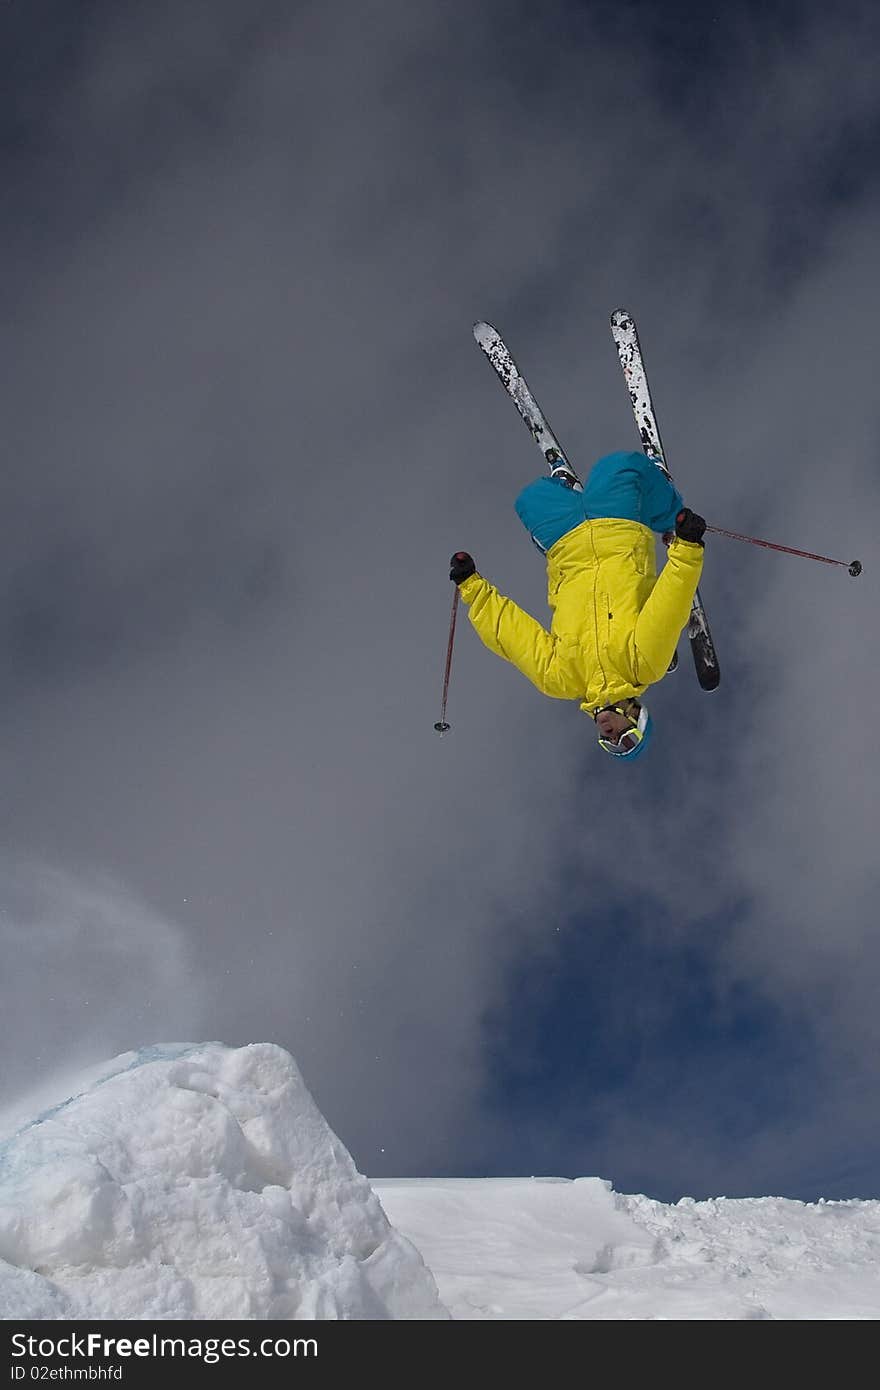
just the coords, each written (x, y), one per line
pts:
(615, 624)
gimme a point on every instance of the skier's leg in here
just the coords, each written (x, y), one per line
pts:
(513, 634)
(633, 488)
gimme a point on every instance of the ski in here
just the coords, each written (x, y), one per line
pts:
(629, 351)
(517, 388)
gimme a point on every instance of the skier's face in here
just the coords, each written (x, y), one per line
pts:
(611, 724)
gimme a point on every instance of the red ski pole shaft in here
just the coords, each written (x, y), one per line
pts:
(441, 726)
(854, 566)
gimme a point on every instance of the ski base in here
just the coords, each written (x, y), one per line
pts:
(517, 388)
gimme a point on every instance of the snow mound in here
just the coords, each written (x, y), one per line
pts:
(197, 1182)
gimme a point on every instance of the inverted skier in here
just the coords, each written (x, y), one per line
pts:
(616, 623)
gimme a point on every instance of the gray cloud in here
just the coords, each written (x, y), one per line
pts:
(89, 968)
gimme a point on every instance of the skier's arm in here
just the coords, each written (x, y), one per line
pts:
(661, 620)
(513, 634)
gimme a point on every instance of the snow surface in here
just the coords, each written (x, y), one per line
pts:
(553, 1248)
(198, 1181)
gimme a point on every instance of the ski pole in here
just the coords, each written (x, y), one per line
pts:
(855, 566)
(441, 726)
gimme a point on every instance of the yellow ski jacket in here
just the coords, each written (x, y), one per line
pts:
(615, 623)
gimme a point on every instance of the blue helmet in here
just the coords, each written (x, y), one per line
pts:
(634, 741)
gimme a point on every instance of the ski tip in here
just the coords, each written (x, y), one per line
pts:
(621, 318)
(484, 331)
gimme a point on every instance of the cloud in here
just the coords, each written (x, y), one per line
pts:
(89, 969)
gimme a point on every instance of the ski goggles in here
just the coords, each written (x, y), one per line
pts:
(629, 740)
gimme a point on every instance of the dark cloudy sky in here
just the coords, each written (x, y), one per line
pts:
(245, 425)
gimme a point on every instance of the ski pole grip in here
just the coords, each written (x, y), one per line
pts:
(855, 568)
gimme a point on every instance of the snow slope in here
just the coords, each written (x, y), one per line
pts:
(551, 1248)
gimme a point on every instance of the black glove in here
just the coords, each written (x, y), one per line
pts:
(461, 567)
(689, 526)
